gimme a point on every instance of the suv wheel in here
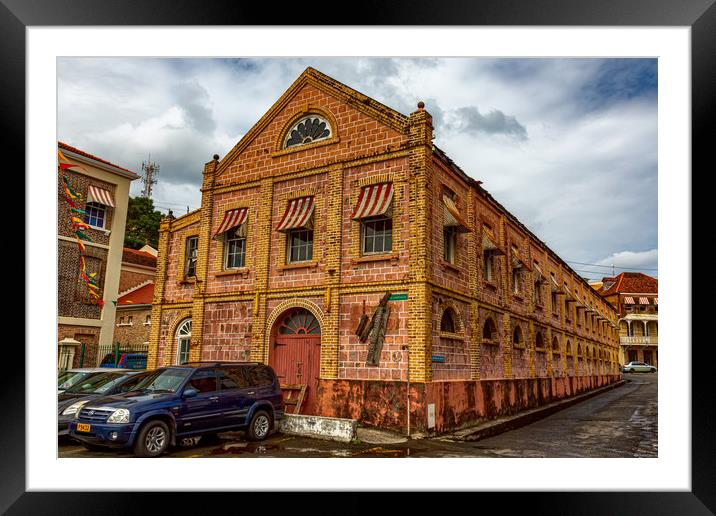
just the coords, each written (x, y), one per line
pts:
(153, 439)
(260, 426)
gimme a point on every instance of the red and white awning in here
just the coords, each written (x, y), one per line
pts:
(452, 217)
(232, 219)
(539, 275)
(656, 300)
(489, 242)
(628, 300)
(99, 195)
(643, 300)
(373, 201)
(297, 215)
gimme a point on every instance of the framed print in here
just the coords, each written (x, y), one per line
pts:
(202, 86)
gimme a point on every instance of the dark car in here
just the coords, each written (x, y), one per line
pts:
(95, 386)
(125, 360)
(178, 402)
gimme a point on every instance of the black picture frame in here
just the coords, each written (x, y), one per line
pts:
(700, 15)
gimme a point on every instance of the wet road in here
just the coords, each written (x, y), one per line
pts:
(619, 423)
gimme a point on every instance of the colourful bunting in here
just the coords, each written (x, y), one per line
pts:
(74, 200)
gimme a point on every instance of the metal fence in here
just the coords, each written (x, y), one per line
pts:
(110, 355)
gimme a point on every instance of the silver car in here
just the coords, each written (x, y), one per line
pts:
(71, 377)
(638, 367)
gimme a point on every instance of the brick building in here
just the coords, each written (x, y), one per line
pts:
(82, 324)
(332, 200)
(635, 296)
(134, 302)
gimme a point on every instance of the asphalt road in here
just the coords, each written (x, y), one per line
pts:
(621, 422)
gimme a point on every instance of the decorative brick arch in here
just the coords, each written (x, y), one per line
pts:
(281, 308)
(180, 318)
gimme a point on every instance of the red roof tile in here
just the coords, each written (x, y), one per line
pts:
(63, 145)
(141, 296)
(633, 283)
(138, 257)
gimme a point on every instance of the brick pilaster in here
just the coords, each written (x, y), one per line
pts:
(259, 351)
(160, 279)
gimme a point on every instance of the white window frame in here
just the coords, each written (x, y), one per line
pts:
(99, 207)
(183, 336)
(227, 246)
(363, 236)
(289, 240)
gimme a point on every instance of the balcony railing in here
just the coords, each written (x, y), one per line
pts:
(640, 340)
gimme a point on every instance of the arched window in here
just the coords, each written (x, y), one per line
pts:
(579, 350)
(489, 330)
(447, 323)
(555, 345)
(539, 341)
(569, 348)
(517, 336)
(299, 321)
(309, 129)
(183, 336)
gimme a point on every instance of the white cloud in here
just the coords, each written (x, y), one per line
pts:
(570, 146)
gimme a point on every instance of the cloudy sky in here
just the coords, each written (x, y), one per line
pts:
(569, 146)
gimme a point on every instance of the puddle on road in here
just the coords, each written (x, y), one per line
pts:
(257, 449)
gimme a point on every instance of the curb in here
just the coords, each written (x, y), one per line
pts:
(319, 427)
(495, 427)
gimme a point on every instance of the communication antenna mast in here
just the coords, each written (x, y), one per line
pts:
(150, 169)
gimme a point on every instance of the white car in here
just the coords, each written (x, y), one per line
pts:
(71, 377)
(638, 367)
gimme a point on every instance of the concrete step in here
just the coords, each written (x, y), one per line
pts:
(330, 428)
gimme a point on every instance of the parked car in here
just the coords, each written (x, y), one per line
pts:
(171, 404)
(125, 361)
(70, 377)
(638, 367)
(102, 384)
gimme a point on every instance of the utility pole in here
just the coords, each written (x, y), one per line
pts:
(612, 270)
(150, 169)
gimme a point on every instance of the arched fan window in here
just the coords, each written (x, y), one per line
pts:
(299, 322)
(309, 129)
(183, 341)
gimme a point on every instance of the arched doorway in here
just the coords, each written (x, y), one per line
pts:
(295, 352)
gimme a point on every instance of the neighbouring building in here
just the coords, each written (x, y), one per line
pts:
(331, 201)
(134, 302)
(83, 325)
(635, 296)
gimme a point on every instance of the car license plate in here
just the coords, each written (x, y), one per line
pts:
(82, 427)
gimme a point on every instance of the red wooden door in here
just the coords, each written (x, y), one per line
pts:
(296, 353)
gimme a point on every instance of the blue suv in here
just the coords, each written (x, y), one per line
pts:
(172, 403)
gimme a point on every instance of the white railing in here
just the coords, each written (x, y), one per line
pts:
(640, 340)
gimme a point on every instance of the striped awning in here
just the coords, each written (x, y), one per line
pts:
(517, 261)
(489, 241)
(539, 275)
(554, 285)
(99, 195)
(643, 300)
(628, 300)
(656, 300)
(570, 296)
(232, 219)
(297, 215)
(373, 201)
(452, 217)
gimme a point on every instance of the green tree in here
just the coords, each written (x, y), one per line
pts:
(142, 223)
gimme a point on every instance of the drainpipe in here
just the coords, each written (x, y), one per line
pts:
(406, 348)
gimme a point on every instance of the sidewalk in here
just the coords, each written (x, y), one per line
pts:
(504, 424)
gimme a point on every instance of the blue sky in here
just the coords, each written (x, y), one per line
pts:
(567, 145)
